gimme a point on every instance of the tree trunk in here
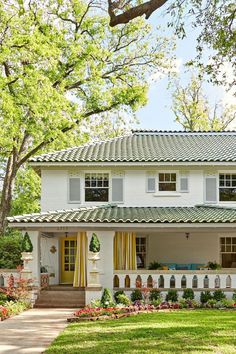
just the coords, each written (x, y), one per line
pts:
(8, 184)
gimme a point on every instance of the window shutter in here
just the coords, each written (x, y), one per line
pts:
(210, 189)
(151, 184)
(74, 189)
(117, 189)
(184, 184)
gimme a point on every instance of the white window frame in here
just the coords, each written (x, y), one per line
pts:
(109, 187)
(168, 193)
(225, 172)
(230, 235)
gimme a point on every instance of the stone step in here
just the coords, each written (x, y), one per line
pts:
(65, 298)
(48, 306)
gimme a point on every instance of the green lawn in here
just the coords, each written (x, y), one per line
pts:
(198, 331)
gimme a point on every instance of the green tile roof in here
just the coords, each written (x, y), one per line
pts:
(115, 214)
(152, 146)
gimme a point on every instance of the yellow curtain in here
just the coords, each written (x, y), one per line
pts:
(125, 251)
(80, 275)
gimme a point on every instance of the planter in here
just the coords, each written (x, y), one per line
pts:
(94, 280)
(26, 257)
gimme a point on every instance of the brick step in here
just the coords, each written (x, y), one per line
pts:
(63, 288)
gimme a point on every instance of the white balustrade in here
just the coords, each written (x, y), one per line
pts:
(5, 274)
(199, 279)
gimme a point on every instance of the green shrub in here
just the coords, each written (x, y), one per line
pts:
(154, 265)
(123, 299)
(219, 295)
(10, 249)
(213, 265)
(155, 294)
(156, 302)
(95, 303)
(234, 297)
(27, 244)
(117, 293)
(212, 302)
(94, 245)
(14, 308)
(136, 295)
(205, 296)
(106, 299)
(172, 295)
(183, 303)
(188, 294)
(3, 297)
(227, 303)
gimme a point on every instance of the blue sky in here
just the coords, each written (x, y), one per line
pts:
(157, 113)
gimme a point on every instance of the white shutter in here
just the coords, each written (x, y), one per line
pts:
(117, 189)
(74, 190)
(184, 187)
(210, 189)
(151, 184)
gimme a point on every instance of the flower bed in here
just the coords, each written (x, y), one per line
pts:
(4, 313)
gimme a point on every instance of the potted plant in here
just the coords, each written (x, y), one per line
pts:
(94, 249)
(213, 265)
(27, 249)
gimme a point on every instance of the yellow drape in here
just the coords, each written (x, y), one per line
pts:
(125, 251)
(80, 275)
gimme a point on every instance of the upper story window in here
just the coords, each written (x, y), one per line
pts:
(227, 187)
(167, 182)
(96, 187)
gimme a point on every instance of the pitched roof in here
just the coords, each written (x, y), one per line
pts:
(115, 214)
(152, 146)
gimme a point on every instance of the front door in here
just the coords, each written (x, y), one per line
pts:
(68, 254)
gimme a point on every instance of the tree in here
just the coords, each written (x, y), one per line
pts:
(60, 65)
(193, 111)
(214, 20)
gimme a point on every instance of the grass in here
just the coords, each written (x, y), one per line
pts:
(198, 331)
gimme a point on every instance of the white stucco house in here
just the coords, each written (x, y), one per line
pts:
(149, 196)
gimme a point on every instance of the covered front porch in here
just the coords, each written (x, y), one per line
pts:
(181, 241)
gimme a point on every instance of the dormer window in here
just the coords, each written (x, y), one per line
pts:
(96, 187)
(167, 182)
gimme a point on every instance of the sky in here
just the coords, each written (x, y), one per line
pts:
(157, 113)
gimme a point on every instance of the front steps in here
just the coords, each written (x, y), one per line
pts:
(61, 296)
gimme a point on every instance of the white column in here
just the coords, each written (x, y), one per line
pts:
(34, 265)
(105, 264)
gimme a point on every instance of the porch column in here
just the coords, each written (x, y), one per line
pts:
(105, 264)
(34, 265)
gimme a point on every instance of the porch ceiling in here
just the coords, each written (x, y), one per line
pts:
(142, 215)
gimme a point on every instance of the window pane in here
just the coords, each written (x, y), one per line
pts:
(96, 195)
(167, 186)
(222, 248)
(161, 177)
(167, 177)
(228, 240)
(222, 240)
(227, 194)
(173, 177)
(66, 267)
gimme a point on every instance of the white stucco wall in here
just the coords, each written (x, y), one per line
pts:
(200, 247)
(55, 188)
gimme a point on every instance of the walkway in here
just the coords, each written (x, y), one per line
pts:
(32, 331)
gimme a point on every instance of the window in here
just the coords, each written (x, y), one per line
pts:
(228, 252)
(227, 187)
(167, 182)
(96, 187)
(141, 252)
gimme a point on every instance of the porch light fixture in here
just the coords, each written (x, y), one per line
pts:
(187, 235)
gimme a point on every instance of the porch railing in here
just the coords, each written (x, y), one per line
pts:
(175, 279)
(5, 274)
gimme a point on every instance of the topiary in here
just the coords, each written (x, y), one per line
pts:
(27, 244)
(219, 295)
(106, 299)
(188, 294)
(155, 294)
(94, 245)
(117, 293)
(123, 299)
(136, 295)
(172, 295)
(205, 296)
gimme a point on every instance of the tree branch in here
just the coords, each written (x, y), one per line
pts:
(146, 9)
